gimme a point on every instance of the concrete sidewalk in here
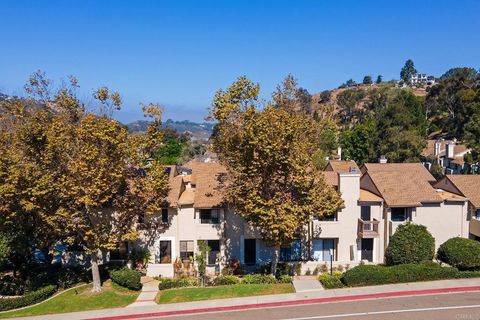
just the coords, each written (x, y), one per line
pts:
(148, 293)
(318, 296)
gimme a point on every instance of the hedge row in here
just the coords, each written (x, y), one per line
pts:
(28, 299)
(167, 283)
(127, 278)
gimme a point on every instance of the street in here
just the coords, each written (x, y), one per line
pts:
(461, 306)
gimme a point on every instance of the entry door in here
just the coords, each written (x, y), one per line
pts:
(250, 251)
(367, 249)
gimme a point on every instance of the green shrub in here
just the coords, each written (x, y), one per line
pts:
(226, 280)
(70, 276)
(461, 253)
(367, 275)
(331, 281)
(127, 278)
(411, 243)
(258, 279)
(285, 279)
(168, 283)
(28, 299)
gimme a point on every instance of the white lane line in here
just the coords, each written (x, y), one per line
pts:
(346, 315)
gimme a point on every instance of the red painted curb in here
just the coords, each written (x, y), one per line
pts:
(292, 303)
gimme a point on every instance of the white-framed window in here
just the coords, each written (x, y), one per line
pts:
(214, 251)
(324, 249)
(165, 215)
(165, 251)
(186, 249)
(477, 214)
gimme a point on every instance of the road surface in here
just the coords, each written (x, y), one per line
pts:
(456, 306)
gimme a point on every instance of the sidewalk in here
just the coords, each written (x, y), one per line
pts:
(318, 296)
(148, 293)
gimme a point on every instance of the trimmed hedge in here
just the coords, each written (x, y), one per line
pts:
(331, 281)
(28, 299)
(461, 253)
(258, 279)
(368, 275)
(411, 243)
(167, 283)
(127, 278)
(226, 280)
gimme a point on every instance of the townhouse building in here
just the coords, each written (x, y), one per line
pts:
(377, 199)
(448, 154)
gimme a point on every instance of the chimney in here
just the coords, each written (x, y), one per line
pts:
(436, 148)
(382, 159)
(450, 150)
(349, 187)
(339, 152)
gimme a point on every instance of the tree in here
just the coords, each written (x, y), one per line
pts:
(411, 243)
(350, 83)
(450, 104)
(360, 142)
(325, 96)
(347, 101)
(472, 132)
(379, 79)
(407, 70)
(76, 176)
(4, 249)
(291, 96)
(367, 80)
(268, 152)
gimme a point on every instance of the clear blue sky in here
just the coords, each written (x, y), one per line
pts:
(180, 52)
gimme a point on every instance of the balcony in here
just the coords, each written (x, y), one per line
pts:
(368, 229)
(475, 227)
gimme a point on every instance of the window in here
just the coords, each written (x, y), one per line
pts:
(324, 249)
(186, 250)
(165, 251)
(399, 214)
(365, 213)
(165, 215)
(210, 216)
(214, 251)
(292, 252)
(477, 214)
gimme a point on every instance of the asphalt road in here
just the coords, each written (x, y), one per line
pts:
(457, 306)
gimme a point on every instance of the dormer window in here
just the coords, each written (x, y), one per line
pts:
(209, 216)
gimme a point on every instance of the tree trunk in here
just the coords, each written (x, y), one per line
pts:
(97, 284)
(276, 256)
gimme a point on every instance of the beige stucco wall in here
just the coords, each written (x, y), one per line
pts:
(443, 221)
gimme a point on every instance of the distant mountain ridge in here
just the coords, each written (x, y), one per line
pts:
(198, 130)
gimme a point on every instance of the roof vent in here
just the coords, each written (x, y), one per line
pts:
(382, 159)
(352, 169)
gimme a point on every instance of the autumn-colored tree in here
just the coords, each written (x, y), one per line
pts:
(80, 177)
(273, 183)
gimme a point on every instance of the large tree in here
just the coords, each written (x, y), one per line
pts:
(407, 70)
(273, 183)
(76, 176)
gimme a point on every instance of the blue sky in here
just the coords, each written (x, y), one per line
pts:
(178, 53)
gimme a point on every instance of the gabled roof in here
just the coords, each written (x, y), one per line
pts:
(331, 178)
(209, 181)
(341, 166)
(467, 185)
(401, 184)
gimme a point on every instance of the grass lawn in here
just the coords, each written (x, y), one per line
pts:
(222, 292)
(79, 299)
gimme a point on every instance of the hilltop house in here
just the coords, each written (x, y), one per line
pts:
(377, 198)
(448, 154)
(421, 79)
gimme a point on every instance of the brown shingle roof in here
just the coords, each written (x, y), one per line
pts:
(176, 188)
(209, 180)
(331, 178)
(341, 166)
(468, 185)
(367, 196)
(402, 184)
(420, 171)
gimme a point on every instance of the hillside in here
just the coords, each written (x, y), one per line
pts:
(199, 131)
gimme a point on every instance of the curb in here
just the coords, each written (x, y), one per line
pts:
(292, 303)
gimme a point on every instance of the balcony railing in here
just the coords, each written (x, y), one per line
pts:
(368, 229)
